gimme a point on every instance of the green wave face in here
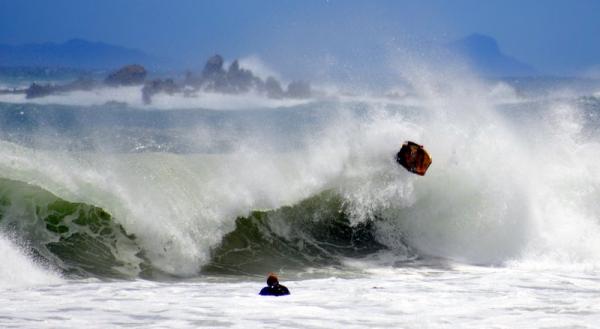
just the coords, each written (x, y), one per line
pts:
(77, 238)
(314, 232)
(83, 240)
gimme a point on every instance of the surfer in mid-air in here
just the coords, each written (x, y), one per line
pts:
(414, 158)
(273, 287)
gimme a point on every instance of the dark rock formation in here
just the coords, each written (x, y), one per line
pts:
(240, 80)
(236, 80)
(298, 89)
(127, 76)
(39, 90)
(273, 88)
(214, 78)
(154, 87)
(213, 67)
(213, 74)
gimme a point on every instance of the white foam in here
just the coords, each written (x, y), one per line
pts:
(502, 92)
(99, 96)
(218, 101)
(261, 69)
(494, 193)
(18, 270)
(410, 297)
(132, 96)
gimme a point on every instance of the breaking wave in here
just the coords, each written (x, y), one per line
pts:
(180, 193)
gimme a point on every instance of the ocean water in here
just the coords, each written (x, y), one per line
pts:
(118, 214)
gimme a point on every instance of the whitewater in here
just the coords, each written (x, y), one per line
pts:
(119, 214)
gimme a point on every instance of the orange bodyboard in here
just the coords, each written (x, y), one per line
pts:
(414, 158)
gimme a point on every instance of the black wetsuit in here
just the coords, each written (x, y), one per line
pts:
(274, 290)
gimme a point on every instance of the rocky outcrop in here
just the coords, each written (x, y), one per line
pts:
(39, 90)
(213, 69)
(213, 75)
(127, 76)
(273, 88)
(240, 80)
(214, 78)
(154, 87)
(235, 80)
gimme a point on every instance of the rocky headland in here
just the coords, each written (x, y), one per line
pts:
(214, 77)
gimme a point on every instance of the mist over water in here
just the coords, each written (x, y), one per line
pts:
(158, 166)
(513, 179)
(104, 199)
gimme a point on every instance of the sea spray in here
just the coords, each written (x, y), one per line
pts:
(501, 188)
(19, 269)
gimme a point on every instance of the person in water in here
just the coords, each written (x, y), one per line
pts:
(273, 287)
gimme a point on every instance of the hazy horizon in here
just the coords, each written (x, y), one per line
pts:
(555, 37)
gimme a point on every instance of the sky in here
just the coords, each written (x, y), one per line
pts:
(554, 36)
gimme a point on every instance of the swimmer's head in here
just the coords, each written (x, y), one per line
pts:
(272, 279)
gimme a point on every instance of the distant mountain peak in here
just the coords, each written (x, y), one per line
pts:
(77, 41)
(480, 42)
(75, 53)
(483, 53)
(83, 43)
